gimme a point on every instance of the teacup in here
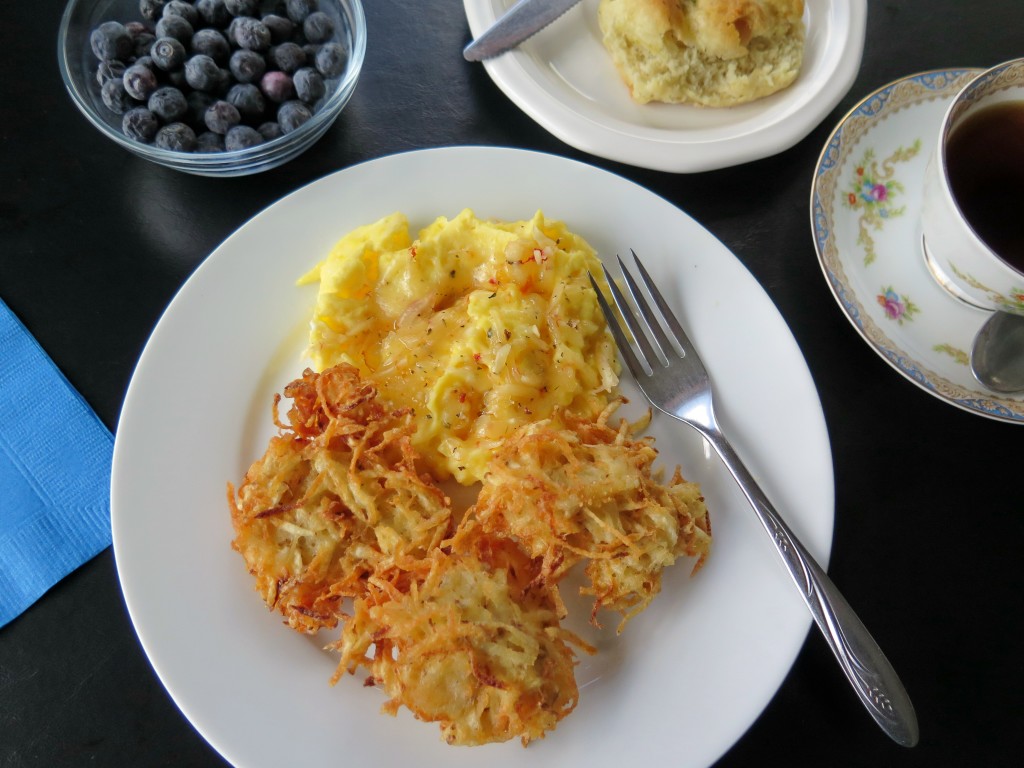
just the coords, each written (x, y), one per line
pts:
(973, 211)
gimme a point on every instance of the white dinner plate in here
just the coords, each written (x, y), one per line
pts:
(866, 199)
(563, 78)
(684, 680)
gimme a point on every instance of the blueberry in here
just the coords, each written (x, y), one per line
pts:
(277, 86)
(248, 100)
(229, 30)
(115, 97)
(139, 81)
(311, 51)
(309, 85)
(187, 11)
(251, 34)
(177, 79)
(142, 43)
(293, 114)
(152, 9)
(242, 7)
(110, 40)
(242, 137)
(318, 27)
(270, 131)
(198, 103)
(221, 117)
(168, 53)
(226, 80)
(331, 59)
(288, 57)
(110, 69)
(281, 28)
(148, 63)
(214, 13)
(298, 10)
(140, 124)
(247, 66)
(208, 141)
(168, 103)
(136, 28)
(176, 137)
(176, 27)
(202, 73)
(212, 43)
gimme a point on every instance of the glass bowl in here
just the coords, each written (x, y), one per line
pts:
(78, 67)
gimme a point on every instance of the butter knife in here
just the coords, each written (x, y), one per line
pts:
(521, 21)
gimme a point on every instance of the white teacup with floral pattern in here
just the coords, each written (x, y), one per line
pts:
(955, 254)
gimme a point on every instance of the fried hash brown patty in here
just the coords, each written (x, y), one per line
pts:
(587, 492)
(335, 498)
(458, 623)
(471, 640)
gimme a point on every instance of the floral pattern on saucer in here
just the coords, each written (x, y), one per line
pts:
(865, 211)
(897, 307)
(874, 190)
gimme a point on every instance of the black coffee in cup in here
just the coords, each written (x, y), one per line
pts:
(985, 163)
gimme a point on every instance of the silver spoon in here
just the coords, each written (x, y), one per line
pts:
(997, 355)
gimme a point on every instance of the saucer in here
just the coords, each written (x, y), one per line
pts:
(564, 79)
(866, 201)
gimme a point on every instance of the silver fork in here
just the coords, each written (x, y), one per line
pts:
(668, 370)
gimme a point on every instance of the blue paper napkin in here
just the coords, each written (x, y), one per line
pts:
(54, 472)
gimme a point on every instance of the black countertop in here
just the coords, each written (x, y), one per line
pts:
(928, 503)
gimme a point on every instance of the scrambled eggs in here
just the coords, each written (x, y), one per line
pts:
(479, 326)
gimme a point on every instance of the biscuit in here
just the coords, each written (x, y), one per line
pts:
(713, 53)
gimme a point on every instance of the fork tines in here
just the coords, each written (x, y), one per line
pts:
(657, 334)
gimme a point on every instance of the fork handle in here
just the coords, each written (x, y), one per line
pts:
(859, 656)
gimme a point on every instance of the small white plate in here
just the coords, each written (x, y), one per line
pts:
(695, 669)
(564, 79)
(865, 212)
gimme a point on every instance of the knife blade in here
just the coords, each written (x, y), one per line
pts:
(521, 21)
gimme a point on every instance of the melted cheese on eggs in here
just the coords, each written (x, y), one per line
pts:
(480, 326)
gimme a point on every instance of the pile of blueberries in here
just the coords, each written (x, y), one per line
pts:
(216, 75)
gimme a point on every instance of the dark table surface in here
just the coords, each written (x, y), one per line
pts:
(928, 501)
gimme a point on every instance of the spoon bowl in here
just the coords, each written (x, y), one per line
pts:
(997, 354)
